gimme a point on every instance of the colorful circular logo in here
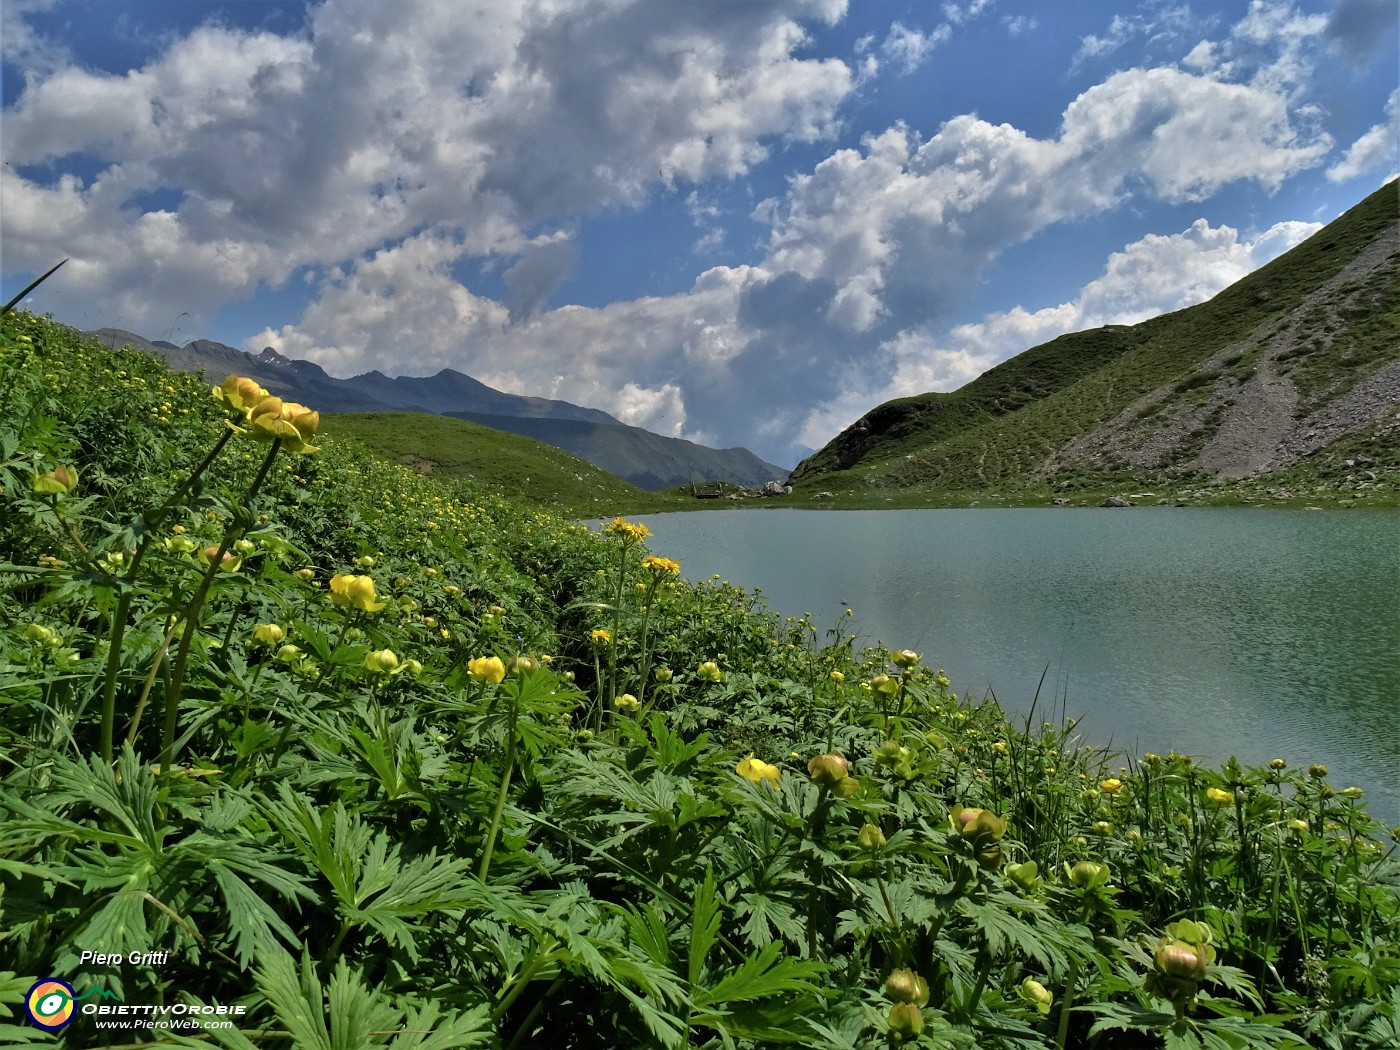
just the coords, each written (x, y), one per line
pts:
(49, 1003)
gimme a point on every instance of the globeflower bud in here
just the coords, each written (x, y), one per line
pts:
(520, 666)
(905, 658)
(906, 986)
(905, 1021)
(37, 632)
(268, 634)
(1088, 874)
(1179, 960)
(890, 754)
(487, 669)
(709, 672)
(663, 674)
(1025, 877)
(627, 702)
(228, 561)
(885, 685)
(989, 858)
(846, 788)
(1317, 771)
(1277, 764)
(979, 826)
(382, 662)
(1036, 994)
(828, 769)
(870, 837)
(58, 482)
(288, 654)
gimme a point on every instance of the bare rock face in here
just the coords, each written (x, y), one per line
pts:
(1249, 422)
(776, 488)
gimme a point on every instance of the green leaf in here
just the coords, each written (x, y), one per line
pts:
(704, 926)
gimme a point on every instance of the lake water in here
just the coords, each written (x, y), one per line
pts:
(1258, 633)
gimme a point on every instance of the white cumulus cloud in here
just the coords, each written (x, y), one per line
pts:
(1378, 150)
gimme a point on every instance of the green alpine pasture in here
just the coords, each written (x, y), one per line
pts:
(519, 468)
(388, 761)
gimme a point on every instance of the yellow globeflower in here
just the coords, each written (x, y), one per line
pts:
(1112, 785)
(239, 393)
(487, 669)
(627, 702)
(709, 672)
(356, 592)
(294, 424)
(758, 771)
(1219, 797)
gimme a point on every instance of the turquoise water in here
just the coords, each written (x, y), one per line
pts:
(1213, 632)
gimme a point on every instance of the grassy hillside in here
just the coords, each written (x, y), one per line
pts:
(515, 467)
(317, 748)
(1232, 390)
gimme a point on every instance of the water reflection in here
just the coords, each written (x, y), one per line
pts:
(1249, 632)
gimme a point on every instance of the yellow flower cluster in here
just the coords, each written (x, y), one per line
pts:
(661, 566)
(269, 417)
(629, 532)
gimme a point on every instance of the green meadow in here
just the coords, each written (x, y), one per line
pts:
(386, 759)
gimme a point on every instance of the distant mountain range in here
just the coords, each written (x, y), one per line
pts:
(647, 460)
(1286, 384)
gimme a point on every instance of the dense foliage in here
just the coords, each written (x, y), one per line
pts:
(386, 763)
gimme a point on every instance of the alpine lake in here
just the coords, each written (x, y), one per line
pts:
(1212, 632)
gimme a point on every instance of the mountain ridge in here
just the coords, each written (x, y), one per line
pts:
(1280, 376)
(637, 456)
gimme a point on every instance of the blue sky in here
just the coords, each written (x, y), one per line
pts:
(743, 223)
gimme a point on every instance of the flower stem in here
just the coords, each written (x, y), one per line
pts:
(114, 644)
(501, 795)
(191, 613)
